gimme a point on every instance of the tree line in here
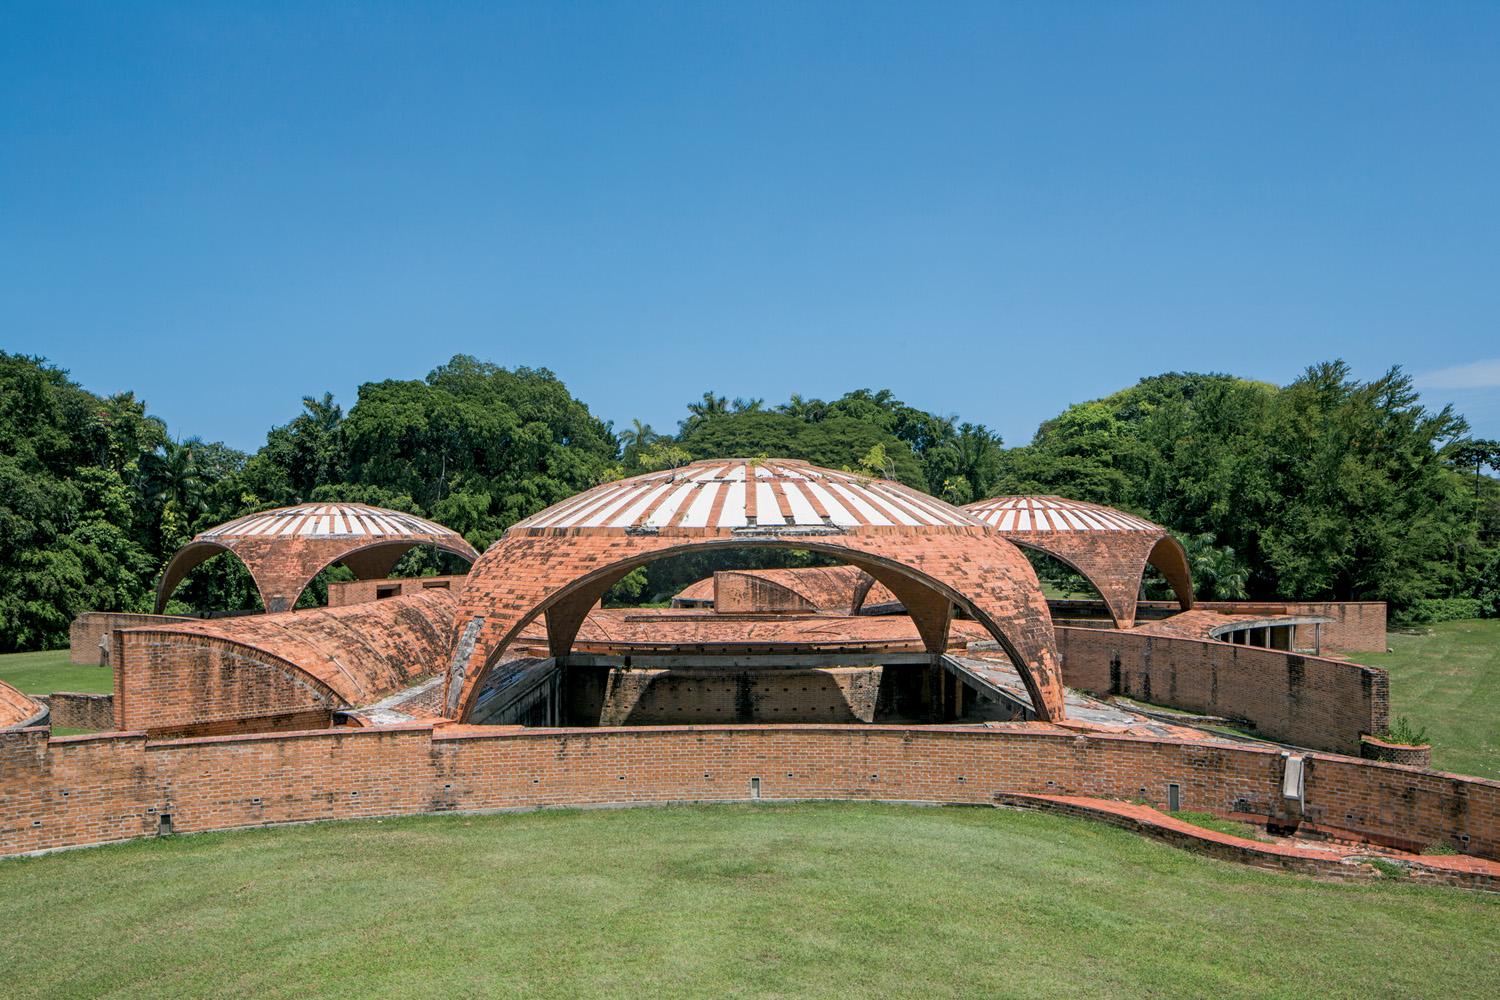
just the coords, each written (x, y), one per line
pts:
(1325, 488)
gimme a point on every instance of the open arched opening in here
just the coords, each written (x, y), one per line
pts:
(558, 577)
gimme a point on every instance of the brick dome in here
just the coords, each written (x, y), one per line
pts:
(930, 554)
(285, 548)
(745, 494)
(1109, 547)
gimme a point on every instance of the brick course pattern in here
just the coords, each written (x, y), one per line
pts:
(1395, 753)
(525, 574)
(1306, 701)
(89, 628)
(930, 555)
(1110, 548)
(277, 671)
(70, 710)
(343, 593)
(285, 548)
(94, 789)
(17, 709)
(1357, 626)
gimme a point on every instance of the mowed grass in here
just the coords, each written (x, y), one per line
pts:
(49, 671)
(814, 900)
(1449, 682)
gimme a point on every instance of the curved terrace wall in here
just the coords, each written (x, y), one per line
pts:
(94, 789)
(1307, 701)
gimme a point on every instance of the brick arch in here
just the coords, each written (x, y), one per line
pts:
(281, 568)
(561, 574)
(1113, 563)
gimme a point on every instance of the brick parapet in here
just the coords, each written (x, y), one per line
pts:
(70, 710)
(342, 593)
(88, 790)
(89, 628)
(1306, 701)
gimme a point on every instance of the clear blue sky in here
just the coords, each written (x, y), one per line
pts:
(993, 209)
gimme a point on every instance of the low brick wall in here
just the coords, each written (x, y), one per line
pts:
(1357, 626)
(1307, 701)
(1395, 753)
(94, 789)
(671, 697)
(94, 712)
(345, 592)
(88, 628)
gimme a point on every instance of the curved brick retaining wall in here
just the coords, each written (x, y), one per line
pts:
(94, 789)
(1307, 701)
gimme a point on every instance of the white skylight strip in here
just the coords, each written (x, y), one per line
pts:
(633, 513)
(568, 515)
(898, 508)
(621, 500)
(732, 514)
(1005, 520)
(703, 503)
(837, 512)
(803, 511)
(767, 509)
(939, 513)
(663, 515)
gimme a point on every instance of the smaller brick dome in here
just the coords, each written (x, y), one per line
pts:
(1109, 547)
(1011, 515)
(285, 548)
(330, 520)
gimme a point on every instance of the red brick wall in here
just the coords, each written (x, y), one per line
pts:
(89, 790)
(672, 697)
(1307, 701)
(747, 593)
(1357, 626)
(81, 711)
(88, 628)
(345, 592)
(168, 682)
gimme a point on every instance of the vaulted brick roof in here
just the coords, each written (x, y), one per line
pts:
(743, 493)
(930, 555)
(1109, 547)
(1015, 514)
(16, 709)
(285, 548)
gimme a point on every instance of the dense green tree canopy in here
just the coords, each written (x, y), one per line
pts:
(1327, 487)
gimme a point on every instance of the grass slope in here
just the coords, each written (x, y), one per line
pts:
(836, 900)
(49, 671)
(1449, 682)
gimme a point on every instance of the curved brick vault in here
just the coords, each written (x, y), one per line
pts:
(930, 555)
(1111, 549)
(285, 548)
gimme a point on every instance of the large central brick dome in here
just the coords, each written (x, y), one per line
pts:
(774, 495)
(929, 554)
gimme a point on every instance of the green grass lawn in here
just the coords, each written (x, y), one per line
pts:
(1449, 682)
(836, 900)
(50, 671)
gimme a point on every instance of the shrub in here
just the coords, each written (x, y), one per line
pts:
(1403, 733)
(1446, 609)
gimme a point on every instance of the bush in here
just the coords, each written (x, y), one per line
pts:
(1403, 733)
(1446, 609)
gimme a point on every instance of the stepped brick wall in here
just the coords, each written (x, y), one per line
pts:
(1307, 701)
(94, 789)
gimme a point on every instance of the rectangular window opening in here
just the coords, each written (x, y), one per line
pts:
(755, 788)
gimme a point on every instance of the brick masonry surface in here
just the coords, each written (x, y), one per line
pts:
(1395, 753)
(345, 592)
(91, 626)
(81, 711)
(16, 708)
(1357, 626)
(94, 789)
(1307, 701)
(667, 697)
(562, 573)
(277, 671)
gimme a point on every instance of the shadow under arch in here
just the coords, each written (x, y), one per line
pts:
(281, 569)
(561, 574)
